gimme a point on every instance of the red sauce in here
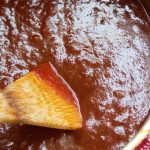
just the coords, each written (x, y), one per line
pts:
(101, 48)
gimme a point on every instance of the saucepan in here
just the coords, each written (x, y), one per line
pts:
(142, 139)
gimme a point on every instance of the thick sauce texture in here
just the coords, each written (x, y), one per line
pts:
(100, 47)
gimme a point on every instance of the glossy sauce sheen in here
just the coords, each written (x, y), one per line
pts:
(101, 48)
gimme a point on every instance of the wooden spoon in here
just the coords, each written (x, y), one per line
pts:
(41, 98)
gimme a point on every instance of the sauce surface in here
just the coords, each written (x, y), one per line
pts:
(101, 48)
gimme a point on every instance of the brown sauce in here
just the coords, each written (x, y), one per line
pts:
(101, 48)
